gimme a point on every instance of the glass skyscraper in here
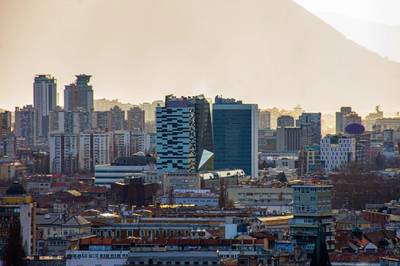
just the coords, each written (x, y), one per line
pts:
(235, 129)
(204, 136)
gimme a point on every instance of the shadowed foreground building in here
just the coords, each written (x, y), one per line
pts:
(312, 210)
(133, 191)
(16, 204)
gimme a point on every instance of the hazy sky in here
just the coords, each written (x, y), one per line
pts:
(141, 50)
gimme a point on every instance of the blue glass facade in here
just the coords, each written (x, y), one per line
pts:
(234, 129)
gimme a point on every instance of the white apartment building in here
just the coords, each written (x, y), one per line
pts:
(95, 149)
(337, 152)
(63, 153)
(122, 144)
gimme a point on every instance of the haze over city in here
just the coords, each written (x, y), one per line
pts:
(199, 132)
(273, 53)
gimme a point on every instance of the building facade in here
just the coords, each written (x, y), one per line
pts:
(85, 92)
(122, 144)
(136, 119)
(310, 161)
(24, 124)
(285, 121)
(71, 97)
(264, 120)
(340, 116)
(337, 152)
(312, 211)
(95, 148)
(63, 153)
(100, 120)
(235, 129)
(176, 136)
(274, 198)
(116, 119)
(311, 125)
(16, 204)
(203, 125)
(289, 139)
(44, 101)
(5, 123)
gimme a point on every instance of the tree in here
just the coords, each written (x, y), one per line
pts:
(320, 256)
(282, 177)
(14, 253)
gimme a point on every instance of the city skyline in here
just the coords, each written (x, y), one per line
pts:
(187, 55)
(199, 132)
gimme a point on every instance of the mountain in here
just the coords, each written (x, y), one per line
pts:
(379, 38)
(270, 52)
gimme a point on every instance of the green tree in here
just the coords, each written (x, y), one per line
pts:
(14, 253)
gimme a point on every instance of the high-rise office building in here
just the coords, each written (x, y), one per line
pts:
(311, 125)
(95, 148)
(24, 124)
(176, 135)
(139, 142)
(79, 95)
(101, 120)
(85, 92)
(61, 121)
(340, 116)
(71, 97)
(264, 120)
(312, 211)
(44, 101)
(204, 136)
(337, 152)
(8, 146)
(136, 119)
(63, 153)
(5, 123)
(285, 121)
(84, 119)
(122, 146)
(116, 119)
(235, 129)
(69, 122)
(289, 139)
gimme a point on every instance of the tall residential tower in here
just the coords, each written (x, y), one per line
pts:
(44, 101)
